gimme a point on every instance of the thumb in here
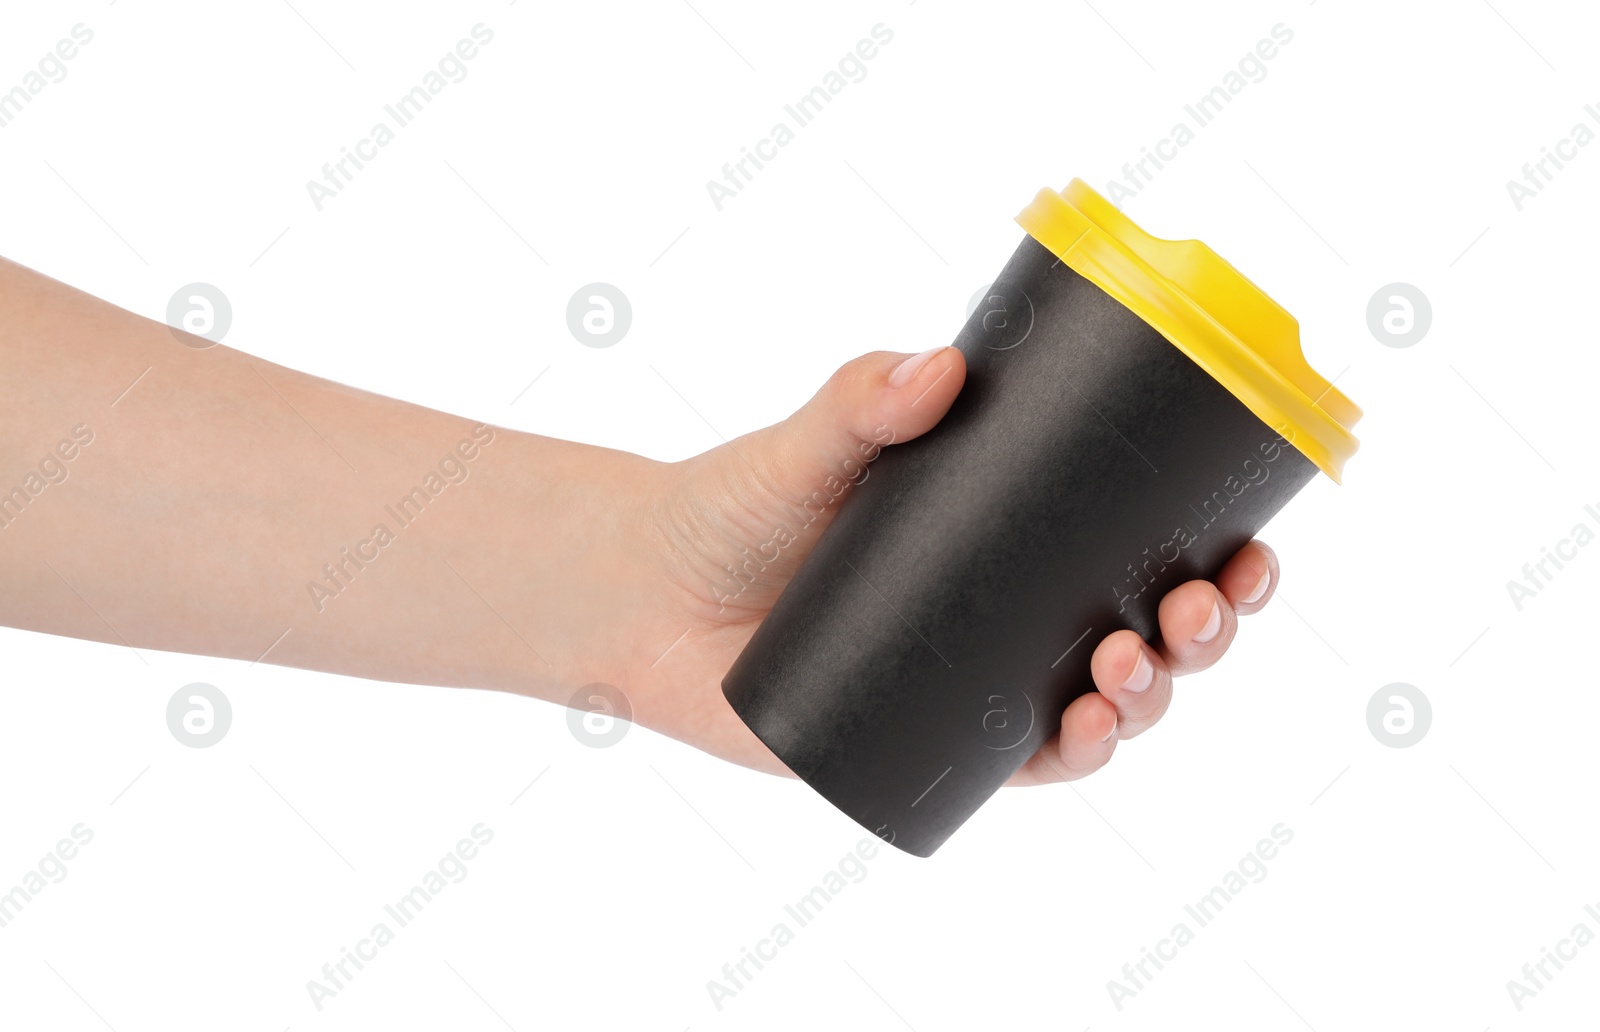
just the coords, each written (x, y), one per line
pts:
(872, 402)
(772, 491)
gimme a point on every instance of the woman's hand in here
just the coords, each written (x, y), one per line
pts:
(223, 505)
(711, 508)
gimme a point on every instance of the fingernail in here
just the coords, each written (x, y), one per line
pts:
(1112, 733)
(906, 371)
(1213, 625)
(1260, 588)
(1143, 674)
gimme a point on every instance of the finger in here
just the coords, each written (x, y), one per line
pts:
(906, 393)
(1250, 578)
(1087, 738)
(1134, 678)
(813, 458)
(871, 403)
(1197, 623)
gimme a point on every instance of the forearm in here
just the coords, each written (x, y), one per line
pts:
(216, 503)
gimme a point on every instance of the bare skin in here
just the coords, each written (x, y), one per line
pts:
(191, 498)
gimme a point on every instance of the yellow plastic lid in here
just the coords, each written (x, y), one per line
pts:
(1209, 310)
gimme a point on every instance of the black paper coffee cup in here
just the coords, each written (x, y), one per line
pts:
(1135, 411)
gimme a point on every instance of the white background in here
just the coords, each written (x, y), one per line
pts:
(1376, 149)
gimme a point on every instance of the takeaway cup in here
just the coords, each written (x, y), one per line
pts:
(1135, 411)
